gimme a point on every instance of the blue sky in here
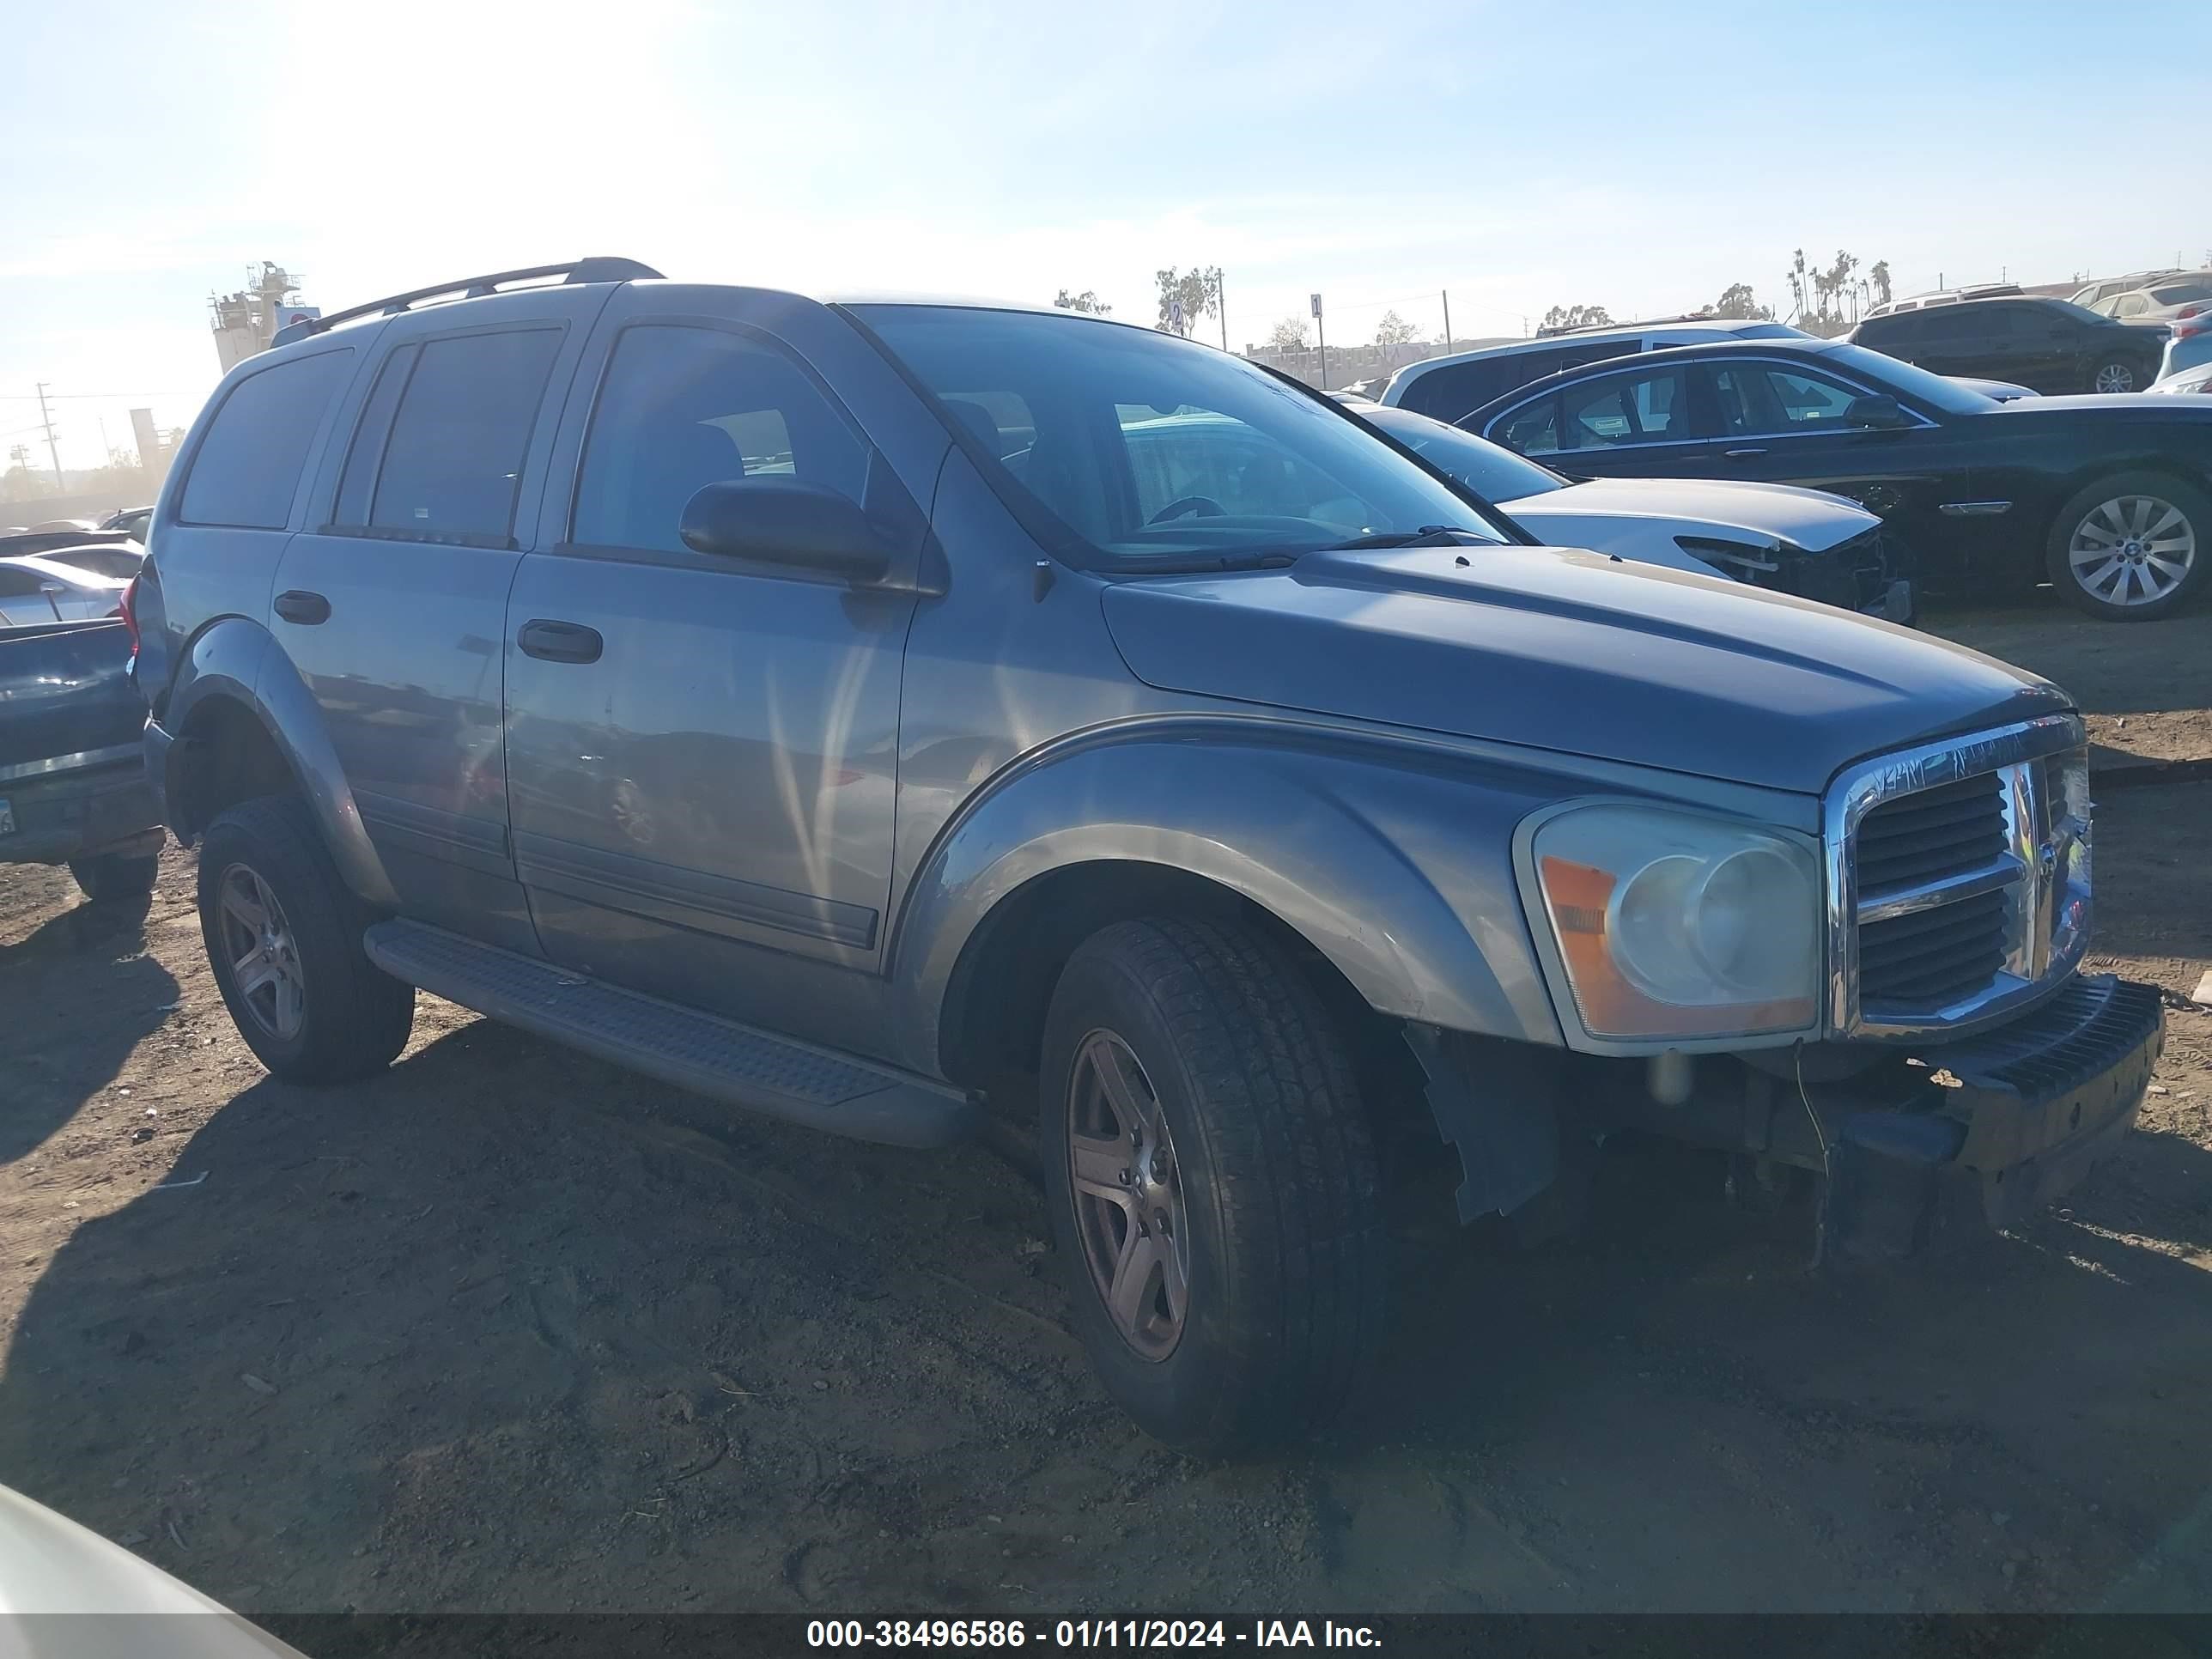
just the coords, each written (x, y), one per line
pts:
(1638, 156)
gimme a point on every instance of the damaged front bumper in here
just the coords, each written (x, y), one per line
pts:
(2016, 1115)
(2001, 1122)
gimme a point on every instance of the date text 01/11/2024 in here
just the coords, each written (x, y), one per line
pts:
(1084, 1633)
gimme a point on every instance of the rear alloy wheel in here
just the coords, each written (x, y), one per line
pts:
(283, 939)
(2113, 377)
(1213, 1189)
(2131, 549)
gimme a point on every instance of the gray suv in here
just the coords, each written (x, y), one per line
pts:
(829, 709)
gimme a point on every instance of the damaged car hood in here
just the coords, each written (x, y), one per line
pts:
(1573, 652)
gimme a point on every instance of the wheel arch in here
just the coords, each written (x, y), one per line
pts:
(1403, 903)
(244, 724)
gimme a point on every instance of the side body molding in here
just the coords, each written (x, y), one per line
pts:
(1382, 857)
(234, 659)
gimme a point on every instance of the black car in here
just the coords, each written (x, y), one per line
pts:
(2108, 497)
(2046, 345)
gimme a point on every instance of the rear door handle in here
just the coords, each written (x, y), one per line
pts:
(560, 641)
(1742, 454)
(308, 610)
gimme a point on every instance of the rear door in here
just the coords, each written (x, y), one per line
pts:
(1633, 424)
(394, 606)
(703, 787)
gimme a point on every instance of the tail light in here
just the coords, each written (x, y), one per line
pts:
(128, 610)
(2197, 309)
(2195, 320)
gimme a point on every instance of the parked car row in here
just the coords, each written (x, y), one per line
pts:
(2106, 497)
(885, 715)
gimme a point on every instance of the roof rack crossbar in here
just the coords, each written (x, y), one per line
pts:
(598, 268)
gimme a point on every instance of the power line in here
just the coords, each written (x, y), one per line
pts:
(57, 397)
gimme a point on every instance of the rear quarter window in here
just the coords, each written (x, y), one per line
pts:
(248, 467)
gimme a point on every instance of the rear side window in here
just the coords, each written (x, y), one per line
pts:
(454, 461)
(1533, 429)
(684, 407)
(247, 468)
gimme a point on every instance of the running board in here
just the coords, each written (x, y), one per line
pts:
(772, 1075)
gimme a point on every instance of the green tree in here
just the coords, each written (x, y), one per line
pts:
(1198, 292)
(1288, 335)
(1394, 331)
(1088, 300)
(1737, 303)
(1577, 316)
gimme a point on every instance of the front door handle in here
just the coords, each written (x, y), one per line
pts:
(560, 641)
(1742, 454)
(308, 610)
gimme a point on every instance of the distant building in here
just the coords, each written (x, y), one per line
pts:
(245, 322)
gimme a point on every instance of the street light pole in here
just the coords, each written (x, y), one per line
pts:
(1322, 330)
(1447, 293)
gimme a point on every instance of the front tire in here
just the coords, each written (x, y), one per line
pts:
(1212, 1183)
(111, 879)
(283, 937)
(2131, 547)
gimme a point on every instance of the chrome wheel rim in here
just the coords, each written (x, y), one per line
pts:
(2116, 377)
(1127, 1189)
(264, 960)
(2132, 550)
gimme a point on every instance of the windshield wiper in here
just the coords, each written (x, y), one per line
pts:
(1210, 562)
(1429, 535)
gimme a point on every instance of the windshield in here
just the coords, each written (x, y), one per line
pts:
(1131, 449)
(1494, 473)
(1937, 391)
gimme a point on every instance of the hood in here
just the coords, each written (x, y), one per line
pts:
(1572, 652)
(1759, 512)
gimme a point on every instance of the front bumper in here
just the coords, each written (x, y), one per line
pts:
(2013, 1117)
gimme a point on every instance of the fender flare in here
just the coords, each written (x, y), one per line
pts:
(236, 660)
(1390, 865)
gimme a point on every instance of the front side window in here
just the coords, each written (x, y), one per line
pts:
(1143, 449)
(453, 462)
(247, 470)
(1629, 409)
(682, 407)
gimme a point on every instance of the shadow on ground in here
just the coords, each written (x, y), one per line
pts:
(505, 1328)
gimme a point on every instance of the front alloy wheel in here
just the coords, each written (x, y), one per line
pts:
(2131, 548)
(1129, 1196)
(2113, 377)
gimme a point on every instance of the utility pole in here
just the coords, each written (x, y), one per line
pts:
(53, 445)
(1221, 305)
(1447, 293)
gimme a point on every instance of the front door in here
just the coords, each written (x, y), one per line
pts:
(1790, 424)
(393, 603)
(702, 754)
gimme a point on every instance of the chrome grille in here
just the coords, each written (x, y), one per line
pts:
(1959, 879)
(1938, 832)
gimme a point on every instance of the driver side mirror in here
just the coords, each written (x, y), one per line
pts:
(1875, 413)
(783, 521)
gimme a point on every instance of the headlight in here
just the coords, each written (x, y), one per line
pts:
(1671, 925)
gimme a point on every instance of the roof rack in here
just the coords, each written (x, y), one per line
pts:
(1556, 331)
(602, 269)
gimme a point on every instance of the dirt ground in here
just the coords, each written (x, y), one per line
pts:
(505, 1328)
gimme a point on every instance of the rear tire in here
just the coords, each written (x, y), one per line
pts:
(113, 877)
(1239, 1158)
(2114, 376)
(2132, 547)
(283, 937)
